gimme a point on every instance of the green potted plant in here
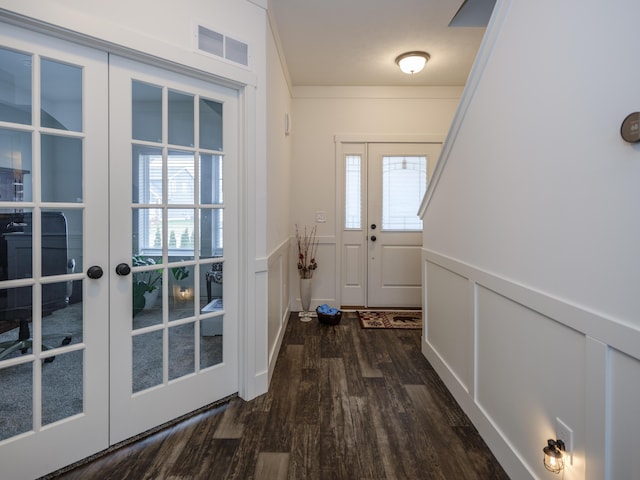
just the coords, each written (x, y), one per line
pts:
(145, 284)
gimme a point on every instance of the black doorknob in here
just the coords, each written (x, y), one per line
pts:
(94, 272)
(373, 238)
(123, 269)
(373, 226)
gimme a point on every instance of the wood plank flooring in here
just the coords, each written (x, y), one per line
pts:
(344, 403)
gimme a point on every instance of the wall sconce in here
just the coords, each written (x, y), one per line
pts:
(554, 455)
(412, 62)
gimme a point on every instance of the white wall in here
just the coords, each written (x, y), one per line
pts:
(278, 201)
(366, 113)
(532, 224)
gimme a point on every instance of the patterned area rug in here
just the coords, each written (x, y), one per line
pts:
(407, 319)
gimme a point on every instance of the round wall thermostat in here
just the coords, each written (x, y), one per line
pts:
(630, 129)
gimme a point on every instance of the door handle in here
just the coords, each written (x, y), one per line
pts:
(373, 238)
(94, 272)
(373, 226)
(123, 269)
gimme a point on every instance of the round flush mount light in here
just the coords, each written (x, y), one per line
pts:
(412, 62)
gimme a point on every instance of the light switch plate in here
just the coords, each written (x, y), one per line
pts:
(564, 433)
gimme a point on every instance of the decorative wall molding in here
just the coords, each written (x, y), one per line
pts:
(607, 330)
(278, 296)
(597, 358)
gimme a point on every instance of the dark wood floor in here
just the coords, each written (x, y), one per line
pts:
(344, 403)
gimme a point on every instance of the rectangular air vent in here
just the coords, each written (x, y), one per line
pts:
(222, 46)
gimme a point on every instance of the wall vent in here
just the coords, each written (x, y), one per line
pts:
(222, 46)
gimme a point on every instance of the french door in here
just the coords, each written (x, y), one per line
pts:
(382, 233)
(53, 205)
(118, 249)
(173, 316)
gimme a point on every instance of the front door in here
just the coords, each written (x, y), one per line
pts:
(53, 205)
(382, 233)
(173, 245)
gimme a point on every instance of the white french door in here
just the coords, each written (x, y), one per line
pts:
(382, 233)
(173, 319)
(53, 205)
(118, 249)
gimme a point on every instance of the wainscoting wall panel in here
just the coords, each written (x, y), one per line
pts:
(623, 411)
(278, 298)
(517, 387)
(449, 326)
(534, 358)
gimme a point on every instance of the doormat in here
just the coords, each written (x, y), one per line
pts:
(407, 319)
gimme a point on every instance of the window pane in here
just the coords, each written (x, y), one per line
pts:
(180, 223)
(181, 350)
(146, 285)
(147, 231)
(15, 94)
(182, 301)
(74, 239)
(181, 119)
(210, 124)
(147, 112)
(15, 165)
(404, 183)
(62, 394)
(61, 96)
(61, 169)
(211, 228)
(16, 401)
(211, 299)
(211, 179)
(146, 175)
(180, 177)
(62, 321)
(61, 241)
(211, 329)
(16, 241)
(353, 192)
(211, 341)
(147, 361)
(16, 304)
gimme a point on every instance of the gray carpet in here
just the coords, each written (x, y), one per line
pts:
(62, 386)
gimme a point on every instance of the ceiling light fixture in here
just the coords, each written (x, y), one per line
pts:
(412, 62)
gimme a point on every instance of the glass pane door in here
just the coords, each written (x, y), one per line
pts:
(176, 326)
(53, 147)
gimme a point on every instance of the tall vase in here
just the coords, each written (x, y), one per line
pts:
(305, 298)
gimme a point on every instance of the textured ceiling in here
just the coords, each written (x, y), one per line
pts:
(355, 42)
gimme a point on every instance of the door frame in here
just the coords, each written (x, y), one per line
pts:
(341, 146)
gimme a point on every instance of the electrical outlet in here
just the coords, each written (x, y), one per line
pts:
(321, 217)
(564, 433)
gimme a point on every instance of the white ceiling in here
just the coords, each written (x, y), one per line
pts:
(355, 42)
